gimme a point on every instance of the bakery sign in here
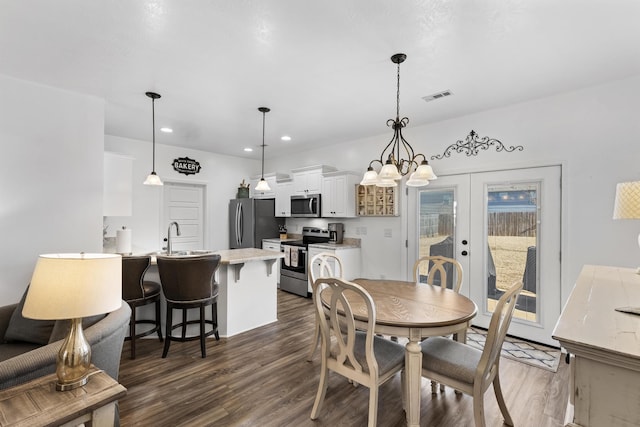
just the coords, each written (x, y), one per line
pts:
(186, 166)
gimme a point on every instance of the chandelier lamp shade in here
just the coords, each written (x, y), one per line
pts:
(398, 158)
(263, 185)
(153, 178)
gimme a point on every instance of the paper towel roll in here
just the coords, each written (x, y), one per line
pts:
(123, 241)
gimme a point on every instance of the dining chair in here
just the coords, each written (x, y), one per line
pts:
(439, 269)
(468, 369)
(188, 282)
(138, 292)
(360, 356)
(324, 264)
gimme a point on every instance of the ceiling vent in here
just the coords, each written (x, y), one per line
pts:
(438, 95)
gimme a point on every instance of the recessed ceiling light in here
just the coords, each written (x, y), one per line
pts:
(166, 130)
(286, 138)
(248, 149)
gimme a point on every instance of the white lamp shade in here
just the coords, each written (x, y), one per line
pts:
(71, 286)
(370, 178)
(263, 185)
(425, 172)
(153, 179)
(386, 183)
(415, 181)
(389, 171)
(627, 203)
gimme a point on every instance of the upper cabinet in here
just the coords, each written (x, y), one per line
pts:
(338, 194)
(377, 201)
(117, 191)
(284, 189)
(309, 180)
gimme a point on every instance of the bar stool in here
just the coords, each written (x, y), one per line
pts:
(188, 282)
(138, 292)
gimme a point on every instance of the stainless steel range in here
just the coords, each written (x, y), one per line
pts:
(293, 267)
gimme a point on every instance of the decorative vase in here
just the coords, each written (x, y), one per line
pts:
(243, 193)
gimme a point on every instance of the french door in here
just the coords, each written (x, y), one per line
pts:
(503, 227)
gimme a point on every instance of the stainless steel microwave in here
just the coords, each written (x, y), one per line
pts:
(305, 206)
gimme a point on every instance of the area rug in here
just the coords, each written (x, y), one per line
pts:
(519, 350)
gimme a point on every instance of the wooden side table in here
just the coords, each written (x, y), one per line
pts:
(37, 403)
(605, 355)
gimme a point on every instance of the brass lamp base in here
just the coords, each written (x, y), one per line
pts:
(71, 386)
(74, 359)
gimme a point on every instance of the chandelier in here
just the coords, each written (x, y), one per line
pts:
(400, 156)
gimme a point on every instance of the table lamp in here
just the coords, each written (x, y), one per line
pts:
(627, 203)
(73, 286)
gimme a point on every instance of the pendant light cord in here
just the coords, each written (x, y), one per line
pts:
(398, 96)
(263, 118)
(153, 124)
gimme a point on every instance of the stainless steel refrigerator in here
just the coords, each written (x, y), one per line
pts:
(250, 221)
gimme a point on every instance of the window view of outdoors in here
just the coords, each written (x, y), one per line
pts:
(437, 215)
(512, 217)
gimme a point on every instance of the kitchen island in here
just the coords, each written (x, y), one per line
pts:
(248, 289)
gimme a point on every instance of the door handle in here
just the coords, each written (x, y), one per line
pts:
(241, 222)
(238, 224)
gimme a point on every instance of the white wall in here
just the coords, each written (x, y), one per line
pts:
(221, 175)
(593, 133)
(50, 180)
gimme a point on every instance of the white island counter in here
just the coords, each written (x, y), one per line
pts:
(248, 289)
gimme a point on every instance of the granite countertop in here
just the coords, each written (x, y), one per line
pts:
(240, 256)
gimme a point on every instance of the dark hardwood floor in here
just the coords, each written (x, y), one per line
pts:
(262, 378)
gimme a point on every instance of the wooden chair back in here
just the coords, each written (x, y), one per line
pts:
(440, 267)
(498, 327)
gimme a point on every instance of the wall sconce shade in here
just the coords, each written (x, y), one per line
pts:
(73, 286)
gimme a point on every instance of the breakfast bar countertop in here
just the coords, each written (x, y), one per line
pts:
(240, 256)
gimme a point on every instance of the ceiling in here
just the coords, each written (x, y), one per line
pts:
(323, 67)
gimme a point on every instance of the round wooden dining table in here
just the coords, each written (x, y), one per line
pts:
(416, 311)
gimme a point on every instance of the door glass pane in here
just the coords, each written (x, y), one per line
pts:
(437, 228)
(512, 236)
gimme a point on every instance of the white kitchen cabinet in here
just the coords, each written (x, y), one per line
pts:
(309, 180)
(339, 194)
(349, 255)
(284, 190)
(273, 245)
(117, 195)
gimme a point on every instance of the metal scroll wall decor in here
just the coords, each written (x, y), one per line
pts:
(473, 144)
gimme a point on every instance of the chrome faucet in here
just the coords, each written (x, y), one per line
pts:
(169, 235)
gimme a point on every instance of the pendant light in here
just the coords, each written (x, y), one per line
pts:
(153, 179)
(262, 184)
(395, 166)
